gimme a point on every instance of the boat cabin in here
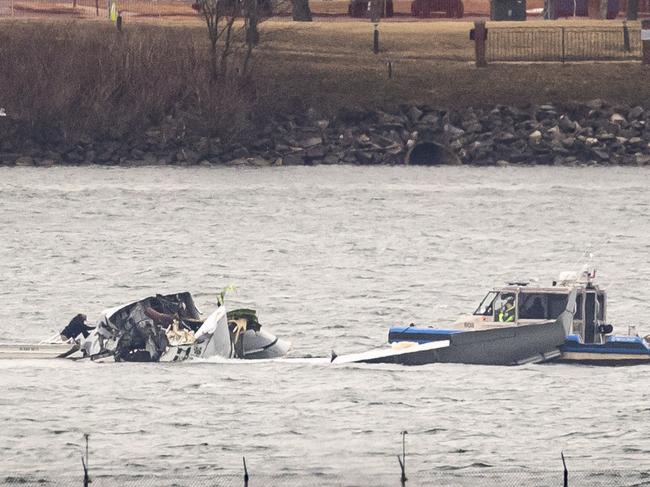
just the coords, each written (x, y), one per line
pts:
(521, 303)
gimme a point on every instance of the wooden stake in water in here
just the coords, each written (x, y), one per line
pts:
(85, 463)
(402, 461)
(245, 473)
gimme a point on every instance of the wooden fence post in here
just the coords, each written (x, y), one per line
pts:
(480, 38)
(645, 40)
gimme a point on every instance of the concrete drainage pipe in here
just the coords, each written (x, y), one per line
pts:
(429, 154)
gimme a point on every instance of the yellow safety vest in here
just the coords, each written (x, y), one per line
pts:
(507, 315)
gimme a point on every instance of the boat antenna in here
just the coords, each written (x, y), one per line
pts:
(585, 257)
(590, 251)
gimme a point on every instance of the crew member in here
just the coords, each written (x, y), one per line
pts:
(507, 311)
(76, 327)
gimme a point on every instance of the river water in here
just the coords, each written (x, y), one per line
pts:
(330, 257)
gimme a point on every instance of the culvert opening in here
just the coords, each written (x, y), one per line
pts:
(426, 154)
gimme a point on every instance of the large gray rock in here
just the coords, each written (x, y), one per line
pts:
(414, 114)
(24, 161)
(331, 159)
(642, 159)
(566, 124)
(617, 118)
(635, 113)
(259, 162)
(293, 159)
(236, 153)
(314, 153)
(310, 142)
(601, 154)
(505, 138)
(596, 104)
(150, 159)
(240, 161)
(8, 157)
(364, 157)
(453, 132)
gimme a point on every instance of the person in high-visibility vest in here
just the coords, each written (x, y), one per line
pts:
(506, 313)
(112, 12)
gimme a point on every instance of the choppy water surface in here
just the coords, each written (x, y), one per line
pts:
(330, 257)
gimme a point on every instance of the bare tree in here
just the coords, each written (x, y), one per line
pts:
(233, 33)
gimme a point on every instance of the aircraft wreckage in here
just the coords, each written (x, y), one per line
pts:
(160, 328)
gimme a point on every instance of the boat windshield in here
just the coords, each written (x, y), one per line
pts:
(486, 307)
(541, 306)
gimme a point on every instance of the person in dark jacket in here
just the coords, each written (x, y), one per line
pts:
(76, 327)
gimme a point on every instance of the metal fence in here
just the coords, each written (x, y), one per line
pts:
(563, 43)
(484, 477)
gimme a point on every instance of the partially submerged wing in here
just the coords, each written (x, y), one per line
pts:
(389, 355)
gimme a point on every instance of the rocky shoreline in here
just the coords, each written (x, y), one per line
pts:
(593, 133)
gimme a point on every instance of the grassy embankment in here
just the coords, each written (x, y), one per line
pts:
(86, 77)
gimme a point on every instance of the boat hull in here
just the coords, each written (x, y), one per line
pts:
(616, 350)
(497, 346)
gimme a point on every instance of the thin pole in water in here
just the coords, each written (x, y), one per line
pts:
(84, 463)
(245, 473)
(402, 460)
(566, 472)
